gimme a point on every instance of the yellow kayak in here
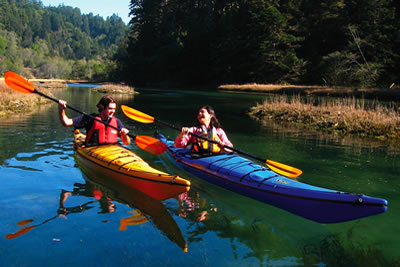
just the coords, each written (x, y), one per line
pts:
(119, 163)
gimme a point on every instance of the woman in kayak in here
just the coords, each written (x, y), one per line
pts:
(96, 132)
(209, 128)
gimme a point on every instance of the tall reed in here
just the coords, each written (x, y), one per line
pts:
(337, 115)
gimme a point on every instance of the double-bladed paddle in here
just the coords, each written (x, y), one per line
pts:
(20, 84)
(277, 167)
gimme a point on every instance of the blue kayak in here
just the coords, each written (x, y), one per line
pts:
(245, 177)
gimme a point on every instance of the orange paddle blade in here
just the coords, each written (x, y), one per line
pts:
(18, 83)
(20, 232)
(150, 144)
(137, 115)
(282, 169)
(24, 222)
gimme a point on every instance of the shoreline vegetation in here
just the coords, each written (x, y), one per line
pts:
(342, 111)
(340, 116)
(112, 88)
(384, 94)
(14, 103)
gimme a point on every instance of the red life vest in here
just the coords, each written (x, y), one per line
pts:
(101, 134)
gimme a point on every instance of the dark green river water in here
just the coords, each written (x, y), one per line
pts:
(219, 227)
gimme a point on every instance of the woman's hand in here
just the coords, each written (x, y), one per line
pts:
(184, 131)
(224, 147)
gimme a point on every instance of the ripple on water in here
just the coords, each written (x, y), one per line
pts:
(45, 155)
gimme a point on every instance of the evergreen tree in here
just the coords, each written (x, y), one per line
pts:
(52, 34)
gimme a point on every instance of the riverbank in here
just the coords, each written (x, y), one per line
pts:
(112, 88)
(13, 102)
(340, 116)
(384, 94)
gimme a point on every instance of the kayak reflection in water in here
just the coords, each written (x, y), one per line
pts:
(106, 205)
(88, 190)
(190, 203)
(96, 131)
(209, 128)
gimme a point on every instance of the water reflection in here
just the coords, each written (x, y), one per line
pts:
(144, 207)
(218, 214)
(105, 193)
(61, 212)
(334, 250)
(193, 207)
(272, 236)
(358, 144)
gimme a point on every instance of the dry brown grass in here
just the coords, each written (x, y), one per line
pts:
(383, 94)
(116, 89)
(265, 87)
(13, 102)
(53, 85)
(342, 116)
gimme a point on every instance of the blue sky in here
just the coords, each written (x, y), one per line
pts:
(104, 8)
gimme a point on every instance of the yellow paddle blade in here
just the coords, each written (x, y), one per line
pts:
(18, 83)
(150, 144)
(137, 219)
(137, 115)
(282, 169)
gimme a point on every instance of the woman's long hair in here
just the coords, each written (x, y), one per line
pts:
(214, 120)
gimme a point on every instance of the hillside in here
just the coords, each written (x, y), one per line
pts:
(57, 42)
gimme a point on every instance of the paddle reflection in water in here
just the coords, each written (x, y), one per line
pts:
(61, 212)
(105, 193)
(145, 207)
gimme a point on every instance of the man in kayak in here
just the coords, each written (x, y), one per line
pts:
(97, 132)
(209, 128)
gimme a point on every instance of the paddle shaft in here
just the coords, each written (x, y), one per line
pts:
(26, 229)
(81, 112)
(209, 140)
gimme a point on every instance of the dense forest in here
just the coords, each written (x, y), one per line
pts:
(57, 42)
(212, 42)
(208, 42)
